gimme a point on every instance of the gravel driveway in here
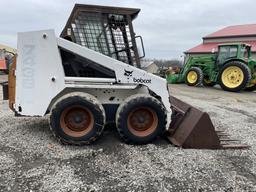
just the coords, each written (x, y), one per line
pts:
(32, 160)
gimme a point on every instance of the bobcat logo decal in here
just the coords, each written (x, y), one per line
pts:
(128, 73)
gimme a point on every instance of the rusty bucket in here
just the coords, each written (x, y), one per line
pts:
(192, 128)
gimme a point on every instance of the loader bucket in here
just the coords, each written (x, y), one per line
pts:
(192, 128)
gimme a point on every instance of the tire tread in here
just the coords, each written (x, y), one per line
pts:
(123, 107)
(77, 95)
(247, 75)
(200, 78)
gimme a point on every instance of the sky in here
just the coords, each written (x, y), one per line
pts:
(168, 27)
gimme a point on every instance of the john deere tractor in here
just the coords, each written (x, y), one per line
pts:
(231, 67)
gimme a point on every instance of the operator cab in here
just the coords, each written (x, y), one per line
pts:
(245, 51)
(108, 30)
(233, 51)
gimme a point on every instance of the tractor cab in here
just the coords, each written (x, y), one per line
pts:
(228, 52)
(245, 52)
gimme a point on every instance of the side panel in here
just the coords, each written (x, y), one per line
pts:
(39, 75)
(12, 84)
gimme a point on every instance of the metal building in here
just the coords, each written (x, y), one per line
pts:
(236, 33)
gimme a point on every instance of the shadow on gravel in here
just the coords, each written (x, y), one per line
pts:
(109, 140)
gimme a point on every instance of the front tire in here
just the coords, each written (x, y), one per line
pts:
(194, 76)
(140, 119)
(77, 119)
(234, 76)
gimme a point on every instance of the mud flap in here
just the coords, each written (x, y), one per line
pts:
(192, 128)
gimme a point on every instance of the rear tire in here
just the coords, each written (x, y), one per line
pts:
(140, 119)
(194, 77)
(77, 119)
(234, 76)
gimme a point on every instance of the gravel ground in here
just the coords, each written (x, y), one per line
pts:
(32, 160)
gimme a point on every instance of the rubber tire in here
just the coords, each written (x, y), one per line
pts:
(129, 104)
(200, 75)
(253, 88)
(206, 84)
(86, 100)
(247, 76)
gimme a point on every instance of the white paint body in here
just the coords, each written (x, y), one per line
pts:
(39, 62)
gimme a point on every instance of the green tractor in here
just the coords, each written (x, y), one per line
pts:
(232, 68)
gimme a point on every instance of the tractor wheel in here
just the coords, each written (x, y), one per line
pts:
(77, 119)
(251, 88)
(234, 76)
(140, 119)
(194, 77)
(208, 83)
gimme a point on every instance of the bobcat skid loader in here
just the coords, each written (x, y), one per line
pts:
(137, 101)
(90, 76)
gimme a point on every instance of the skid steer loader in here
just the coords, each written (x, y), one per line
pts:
(84, 85)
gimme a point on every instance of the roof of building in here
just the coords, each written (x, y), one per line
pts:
(145, 63)
(208, 47)
(234, 31)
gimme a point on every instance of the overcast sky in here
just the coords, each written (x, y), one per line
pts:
(168, 27)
